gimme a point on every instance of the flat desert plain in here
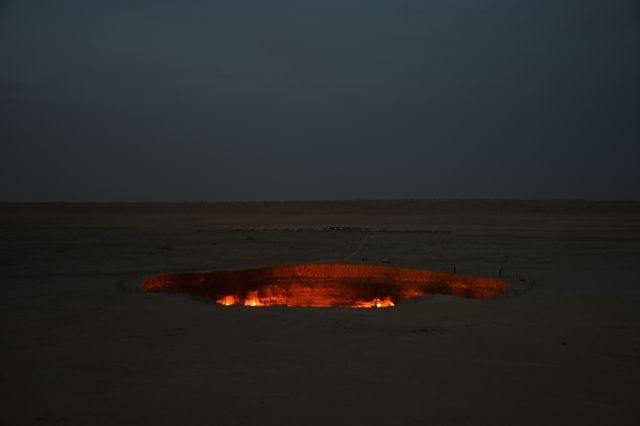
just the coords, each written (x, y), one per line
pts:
(82, 345)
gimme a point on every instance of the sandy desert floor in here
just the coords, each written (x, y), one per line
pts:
(81, 345)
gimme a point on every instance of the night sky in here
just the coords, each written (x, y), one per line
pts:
(232, 100)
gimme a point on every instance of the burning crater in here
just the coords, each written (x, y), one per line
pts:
(323, 285)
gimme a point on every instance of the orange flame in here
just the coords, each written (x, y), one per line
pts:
(324, 285)
(375, 303)
(227, 300)
(253, 299)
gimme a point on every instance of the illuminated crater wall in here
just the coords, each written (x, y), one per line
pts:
(323, 285)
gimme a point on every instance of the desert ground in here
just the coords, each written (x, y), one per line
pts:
(81, 345)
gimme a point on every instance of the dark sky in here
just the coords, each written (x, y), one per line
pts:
(205, 100)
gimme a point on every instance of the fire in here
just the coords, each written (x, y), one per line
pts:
(375, 303)
(252, 299)
(324, 285)
(227, 300)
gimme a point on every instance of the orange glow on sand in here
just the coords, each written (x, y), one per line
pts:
(323, 285)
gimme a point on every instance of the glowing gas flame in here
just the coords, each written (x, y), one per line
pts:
(375, 303)
(324, 285)
(227, 300)
(253, 299)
